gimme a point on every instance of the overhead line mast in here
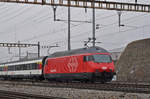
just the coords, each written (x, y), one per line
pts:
(21, 45)
(93, 25)
(69, 16)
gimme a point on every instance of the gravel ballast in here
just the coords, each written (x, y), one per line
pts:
(71, 93)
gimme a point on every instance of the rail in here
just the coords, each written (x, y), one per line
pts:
(17, 95)
(121, 87)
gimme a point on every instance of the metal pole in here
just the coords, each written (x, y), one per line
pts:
(38, 49)
(69, 45)
(19, 50)
(93, 25)
(119, 14)
(54, 9)
(27, 54)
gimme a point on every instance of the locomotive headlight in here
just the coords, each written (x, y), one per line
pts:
(104, 68)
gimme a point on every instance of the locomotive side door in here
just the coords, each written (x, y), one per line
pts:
(85, 64)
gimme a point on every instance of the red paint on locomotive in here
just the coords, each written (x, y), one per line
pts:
(78, 64)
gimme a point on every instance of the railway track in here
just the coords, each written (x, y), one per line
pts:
(17, 95)
(115, 86)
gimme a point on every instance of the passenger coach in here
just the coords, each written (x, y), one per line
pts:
(21, 69)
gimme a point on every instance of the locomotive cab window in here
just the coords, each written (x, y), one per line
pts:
(101, 58)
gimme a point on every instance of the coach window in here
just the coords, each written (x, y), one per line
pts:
(18, 67)
(31, 66)
(14, 68)
(9, 68)
(34, 66)
(28, 66)
(21, 67)
(24, 67)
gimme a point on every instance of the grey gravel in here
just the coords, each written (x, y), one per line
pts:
(71, 93)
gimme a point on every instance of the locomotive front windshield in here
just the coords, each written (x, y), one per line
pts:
(99, 58)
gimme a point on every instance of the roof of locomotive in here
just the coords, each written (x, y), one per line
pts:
(79, 51)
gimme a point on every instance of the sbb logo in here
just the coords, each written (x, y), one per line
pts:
(73, 64)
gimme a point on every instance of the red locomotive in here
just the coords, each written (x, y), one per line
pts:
(85, 64)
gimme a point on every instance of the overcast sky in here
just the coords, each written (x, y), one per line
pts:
(33, 23)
